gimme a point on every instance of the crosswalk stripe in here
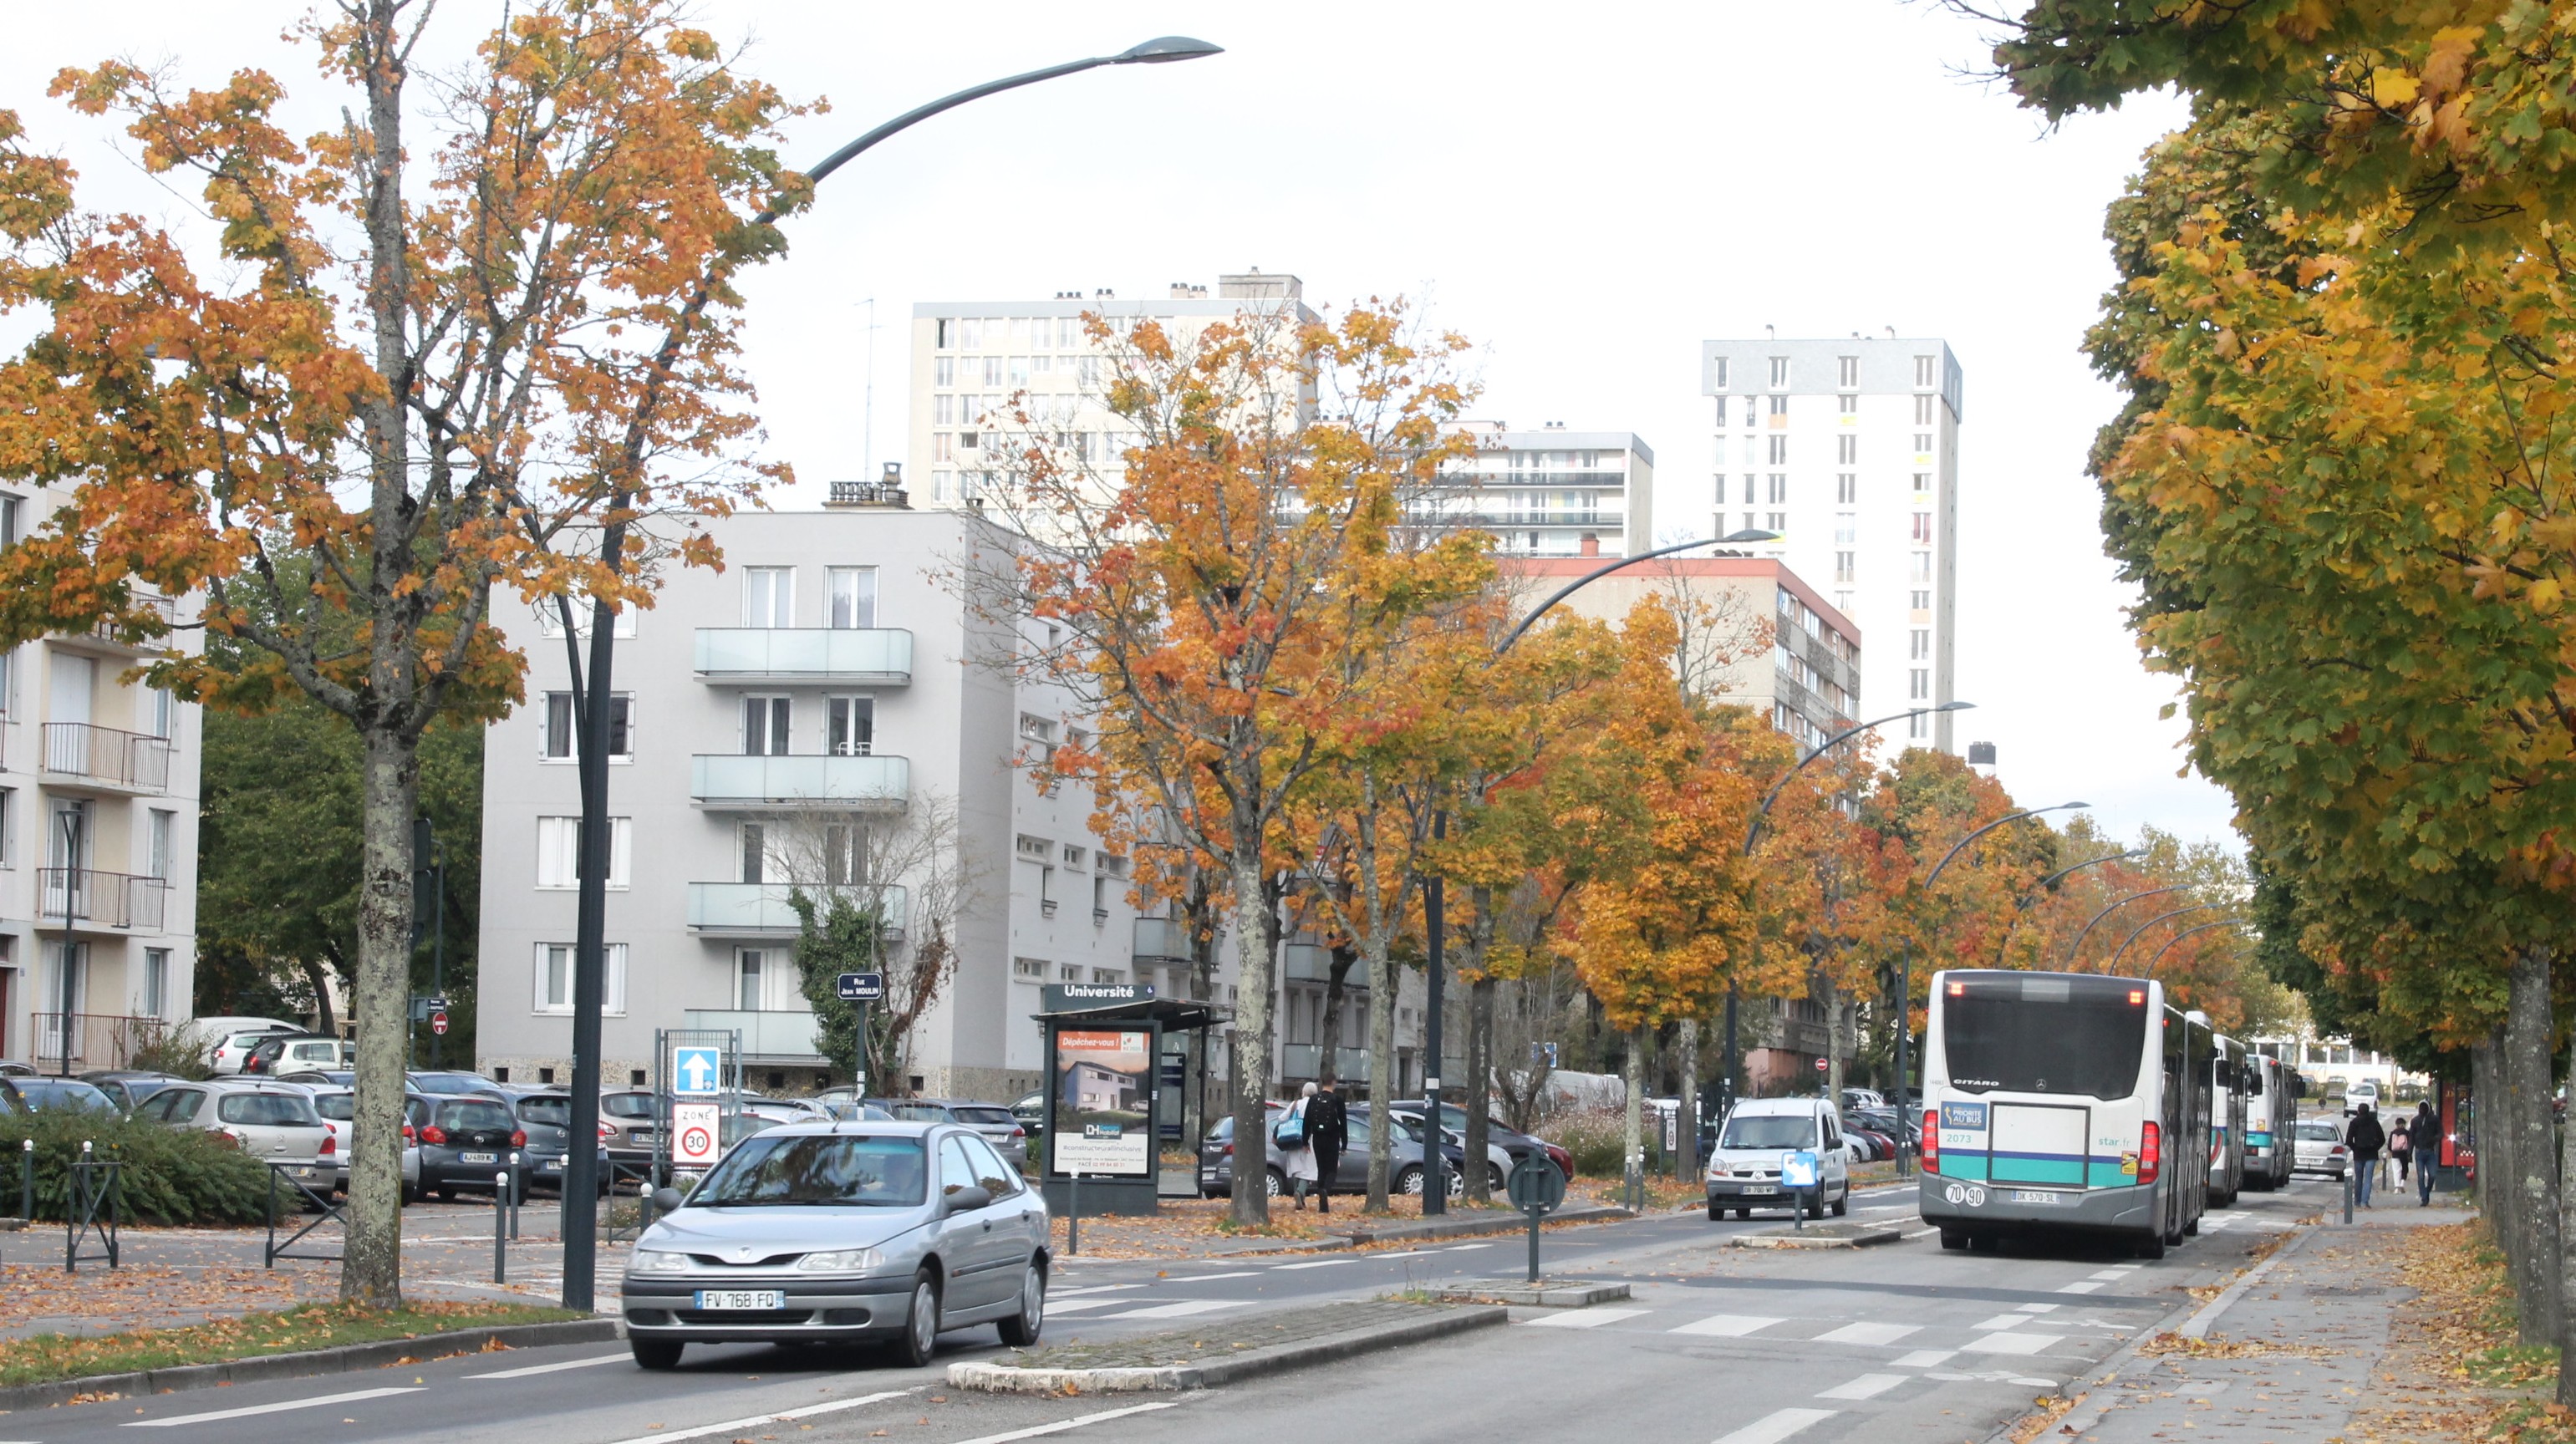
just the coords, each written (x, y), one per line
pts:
(1176, 1311)
(1867, 1386)
(2009, 1343)
(1773, 1427)
(1868, 1333)
(2003, 1321)
(1728, 1326)
(2086, 1287)
(1585, 1318)
(1924, 1359)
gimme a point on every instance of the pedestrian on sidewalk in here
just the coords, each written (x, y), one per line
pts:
(2426, 1131)
(1328, 1133)
(1296, 1148)
(2365, 1138)
(2401, 1147)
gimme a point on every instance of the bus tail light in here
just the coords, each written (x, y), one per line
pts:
(1931, 1148)
(2151, 1154)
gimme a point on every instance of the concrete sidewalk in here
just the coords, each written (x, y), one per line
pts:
(2292, 1358)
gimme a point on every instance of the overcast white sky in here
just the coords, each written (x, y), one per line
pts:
(1586, 191)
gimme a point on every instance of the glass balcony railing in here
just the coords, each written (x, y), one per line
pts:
(763, 783)
(1162, 938)
(761, 909)
(781, 1033)
(876, 656)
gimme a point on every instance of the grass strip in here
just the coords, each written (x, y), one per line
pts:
(43, 1358)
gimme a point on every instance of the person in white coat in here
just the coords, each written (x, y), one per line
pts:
(1298, 1159)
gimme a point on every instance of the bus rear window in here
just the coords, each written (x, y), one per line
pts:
(2041, 1034)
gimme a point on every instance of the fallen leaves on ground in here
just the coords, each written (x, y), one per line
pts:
(2045, 1410)
(41, 1358)
(2454, 1368)
(2224, 1348)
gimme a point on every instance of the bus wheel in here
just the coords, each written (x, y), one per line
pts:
(1953, 1240)
(2151, 1245)
(2191, 1229)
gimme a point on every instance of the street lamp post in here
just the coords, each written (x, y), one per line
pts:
(2187, 932)
(593, 702)
(2114, 959)
(2109, 908)
(1435, 1182)
(1905, 964)
(2022, 904)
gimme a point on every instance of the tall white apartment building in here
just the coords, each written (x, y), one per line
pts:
(1551, 492)
(970, 358)
(1850, 450)
(98, 842)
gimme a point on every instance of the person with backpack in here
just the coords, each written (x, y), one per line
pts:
(2365, 1138)
(2401, 1149)
(2426, 1132)
(1328, 1132)
(1296, 1150)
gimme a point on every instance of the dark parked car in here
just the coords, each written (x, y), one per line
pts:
(323, 1077)
(466, 1141)
(128, 1087)
(1350, 1174)
(547, 1120)
(55, 1095)
(1512, 1141)
(455, 1082)
(632, 1122)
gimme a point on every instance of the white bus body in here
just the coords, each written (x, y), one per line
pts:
(2228, 1088)
(2271, 1123)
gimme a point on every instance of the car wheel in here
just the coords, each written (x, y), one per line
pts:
(1453, 1182)
(655, 1354)
(1714, 1211)
(1021, 1329)
(2191, 1229)
(920, 1323)
(1842, 1204)
(1408, 1180)
(1493, 1179)
(1278, 1183)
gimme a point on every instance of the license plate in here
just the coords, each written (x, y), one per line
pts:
(478, 1158)
(551, 1163)
(2036, 1195)
(734, 1300)
(1760, 1188)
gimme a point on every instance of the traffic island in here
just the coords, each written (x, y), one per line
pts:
(1817, 1235)
(1223, 1352)
(1544, 1294)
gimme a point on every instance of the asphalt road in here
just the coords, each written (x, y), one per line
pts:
(1719, 1346)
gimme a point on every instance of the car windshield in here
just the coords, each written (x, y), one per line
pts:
(812, 1169)
(1777, 1130)
(474, 1113)
(552, 1110)
(270, 1110)
(64, 1095)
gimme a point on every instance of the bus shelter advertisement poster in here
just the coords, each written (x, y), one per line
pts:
(1103, 1100)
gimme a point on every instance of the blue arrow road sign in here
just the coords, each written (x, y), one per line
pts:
(862, 987)
(699, 1070)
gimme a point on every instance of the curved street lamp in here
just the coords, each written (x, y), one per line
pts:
(590, 973)
(2187, 932)
(2031, 894)
(2114, 959)
(2113, 906)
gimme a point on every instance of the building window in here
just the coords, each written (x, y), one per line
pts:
(1925, 370)
(765, 726)
(753, 849)
(769, 596)
(559, 853)
(156, 982)
(1779, 451)
(943, 409)
(1923, 528)
(943, 333)
(1846, 527)
(1918, 726)
(993, 372)
(755, 972)
(943, 372)
(1039, 733)
(853, 725)
(1029, 970)
(1069, 972)
(844, 854)
(162, 712)
(9, 504)
(1848, 404)
(1779, 487)
(1719, 460)
(1843, 603)
(1922, 483)
(1717, 380)
(1847, 450)
(1918, 683)
(852, 597)
(1920, 601)
(1919, 644)
(554, 978)
(1847, 372)
(1923, 410)
(1779, 373)
(1919, 567)
(1777, 522)
(1846, 489)
(1923, 443)
(1843, 570)
(1779, 410)
(562, 741)
(156, 857)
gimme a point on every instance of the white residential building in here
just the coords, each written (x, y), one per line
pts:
(98, 842)
(1849, 449)
(1551, 492)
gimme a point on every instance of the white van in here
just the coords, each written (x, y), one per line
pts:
(2360, 1091)
(1744, 1167)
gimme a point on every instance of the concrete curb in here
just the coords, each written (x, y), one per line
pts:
(1856, 1236)
(1467, 1226)
(2198, 1325)
(1251, 1363)
(347, 1358)
(1563, 1296)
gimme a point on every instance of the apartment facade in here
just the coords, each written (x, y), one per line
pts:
(1550, 492)
(825, 700)
(1849, 449)
(972, 361)
(98, 842)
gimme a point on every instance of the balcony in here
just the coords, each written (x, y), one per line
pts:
(1161, 939)
(1300, 1060)
(82, 754)
(98, 1040)
(859, 656)
(770, 784)
(760, 909)
(774, 1034)
(143, 604)
(102, 900)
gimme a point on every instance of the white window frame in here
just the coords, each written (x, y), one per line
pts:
(612, 997)
(545, 711)
(862, 585)
(160, 842)
(550, 621)
(779, 584)
(558, 863)
(155, 997)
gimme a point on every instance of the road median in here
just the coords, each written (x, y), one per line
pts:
(1216, 1354)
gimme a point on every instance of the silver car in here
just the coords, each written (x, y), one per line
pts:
(822, 1232)
(2321, 1150)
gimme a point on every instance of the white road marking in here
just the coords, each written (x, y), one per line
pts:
(1585, 1318)
(1867, 1386)
(733, 1426)
(1092, 1289)
(2086, 1287)
(1773, 1427)
(1176, 1311)
(1074, 1306)
(1063, 1424)
(2038, 1309)
(1868, 1333)
(1885, 1208)
(1205, 1278)
(555, 1368)
(1728, 1326)
(2006, 1343)
(1464, 1247)
(1321, 1263)
(1924, 1359)
(348, 1398)
(1925, 1232)
(2004, 1321)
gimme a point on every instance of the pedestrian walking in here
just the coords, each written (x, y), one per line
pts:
(1296, 1150)
(1328, 1133)
(2401, 1148)
(2365, 1138)
(2426, 1131)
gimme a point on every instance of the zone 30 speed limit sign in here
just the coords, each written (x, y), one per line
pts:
(693, 1133)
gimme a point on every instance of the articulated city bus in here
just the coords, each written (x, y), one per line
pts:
(2227, 1099)
(2063, 1101)
(2271, 1122)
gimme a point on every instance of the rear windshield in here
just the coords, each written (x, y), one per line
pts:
(338, 1107)
(2320, 1133)
(998, 1116)
(552, 1111)
(818, 1170)
(627, 1105)
(273, 1110)
(1776, 1130)
(2044, 1033)
(924, 1112)
(474, 1113)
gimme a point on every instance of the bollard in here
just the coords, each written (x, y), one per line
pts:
(27, 1180)
(1073, 1214)
(1533, 1243)
(500, 1209)
(2347, 1195)
(514, 1198)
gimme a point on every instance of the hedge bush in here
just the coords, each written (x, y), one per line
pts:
(171, 1176)
(1596, 1137)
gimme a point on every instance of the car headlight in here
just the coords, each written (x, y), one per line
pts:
(840, 1261)
(657, 1261)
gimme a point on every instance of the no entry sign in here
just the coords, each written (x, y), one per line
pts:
(438, 1023)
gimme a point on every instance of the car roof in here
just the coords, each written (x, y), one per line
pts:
(1765, 1107)
(875, 1127)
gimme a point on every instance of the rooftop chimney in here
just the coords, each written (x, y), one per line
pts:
(884, 494)
(1591, 545)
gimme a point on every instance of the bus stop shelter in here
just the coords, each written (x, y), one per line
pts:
(1110, 1097)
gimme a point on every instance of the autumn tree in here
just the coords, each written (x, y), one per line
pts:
(411, 368)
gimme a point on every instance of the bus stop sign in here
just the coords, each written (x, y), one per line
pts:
(1535, 1185)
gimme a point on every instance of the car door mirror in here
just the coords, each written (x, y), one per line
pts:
(666, 1200)
(969, 1198)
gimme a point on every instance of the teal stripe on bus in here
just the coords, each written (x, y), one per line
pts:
(2095, 1172)
(2257, 1140)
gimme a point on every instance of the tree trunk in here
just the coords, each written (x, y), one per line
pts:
(2489, 1136)
(318, 978)
(371, 1257)
(1633, 1136)
(2566, 1256)
(1476, 1095)
(1254, 928)
(1686, 1127)
(1383, 985)
(1329, 1041)
(2533, 1184)
(1834, 1048)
